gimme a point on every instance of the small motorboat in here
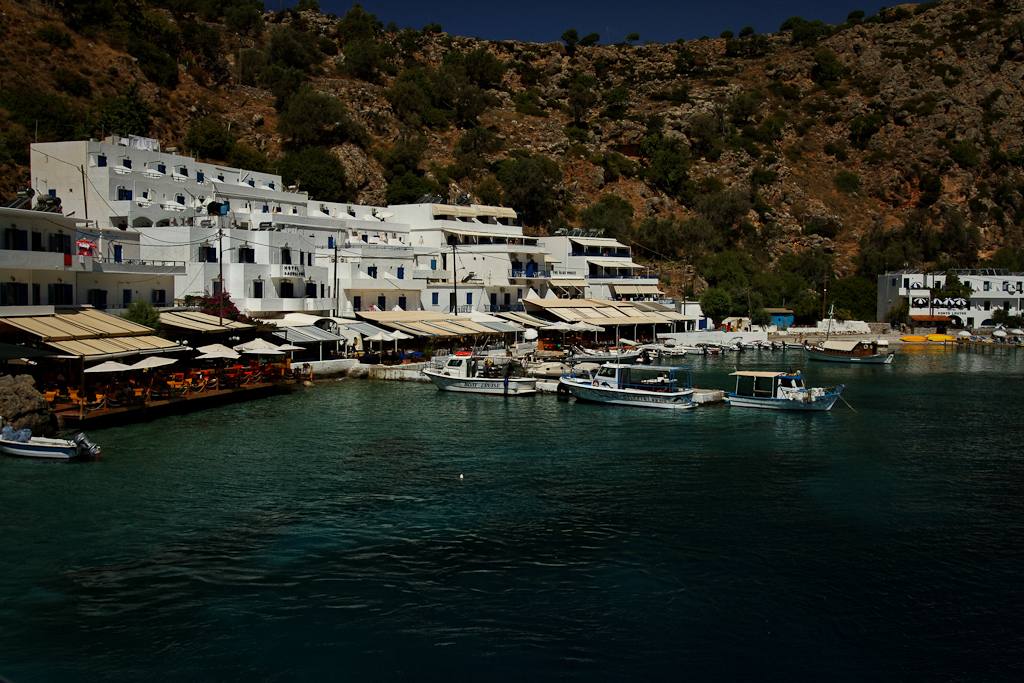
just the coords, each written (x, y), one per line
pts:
(20, 443)
(474, 374)
(779, 391)
(645, 386)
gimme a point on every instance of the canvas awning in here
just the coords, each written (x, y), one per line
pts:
(597, 242)
(931, 318)
(524, 318)
(755, 373)
(307, 334)
(568, 282)
(195, 321)
(636, 289)
(614, 263)
(112, 347)
(502, 327)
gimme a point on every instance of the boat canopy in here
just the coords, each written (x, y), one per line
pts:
(840, 345)
(758, 373)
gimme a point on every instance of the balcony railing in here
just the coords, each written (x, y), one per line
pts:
(600, 254)
(530, 273)
(501, 308)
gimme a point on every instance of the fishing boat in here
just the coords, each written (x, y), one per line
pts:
(850, 351)
(646, 386)
(779, 391)
(482, 375)
(19, 444)
(835, 351)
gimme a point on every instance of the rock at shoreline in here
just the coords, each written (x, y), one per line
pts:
(23, 407)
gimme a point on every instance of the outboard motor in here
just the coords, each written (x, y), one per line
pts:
(85, 447)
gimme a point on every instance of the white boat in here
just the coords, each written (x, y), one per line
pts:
(645, 386)
(779, 391)
(667, 349)
(482, 375)
(582, 355)
(47, 449)
(850, 351)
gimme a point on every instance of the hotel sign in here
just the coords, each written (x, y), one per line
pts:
(292, 271)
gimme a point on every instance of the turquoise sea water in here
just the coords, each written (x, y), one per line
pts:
(326, 535)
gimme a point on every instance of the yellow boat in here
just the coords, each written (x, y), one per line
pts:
(943, 338)
(914, 339)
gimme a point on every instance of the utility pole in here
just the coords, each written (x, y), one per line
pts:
(337, 298)
(220, 276)
(455, 283)
(85, 194)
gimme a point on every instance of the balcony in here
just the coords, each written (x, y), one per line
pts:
(144, 266)
(530, 274)
(600, 254)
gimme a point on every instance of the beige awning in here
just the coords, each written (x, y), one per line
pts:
(449, 210)
(614, 263)
(635, 289)
(79, 325)
(597, 242)
(91, 348)
(567, 282)
(199, 322)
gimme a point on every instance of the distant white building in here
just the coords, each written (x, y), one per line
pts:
(991, 289)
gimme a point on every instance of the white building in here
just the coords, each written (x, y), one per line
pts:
(276, 251)
(48, 260)
(991, 289)
(597, 268)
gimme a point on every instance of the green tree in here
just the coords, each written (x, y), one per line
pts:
(827, 69)
(316, 118)
(632, 37)
(716, 304)
(358, 24)
(612, 215)
(530, 186)
(408, 187)
(579, 99)
(128, 115)
(727, 34)
(209, 139)
(857, 295)
(571, 37)
(590, 39)
(318, 172)
(143, 313)
(760, 317)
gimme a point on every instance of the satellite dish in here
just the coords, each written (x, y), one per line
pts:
(530, 335)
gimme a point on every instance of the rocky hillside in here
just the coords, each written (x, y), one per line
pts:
(895, 139)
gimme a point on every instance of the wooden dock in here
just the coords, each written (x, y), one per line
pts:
(74, 417)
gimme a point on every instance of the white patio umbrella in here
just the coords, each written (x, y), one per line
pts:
(218, 355)
(999, 333)
(152, 362)
(265, 352)
(289, 347)
(256, 344)
(109, 366)
(216, 348)
(1016, 330)
(963, 333)
(398, 334)
(381, 337)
